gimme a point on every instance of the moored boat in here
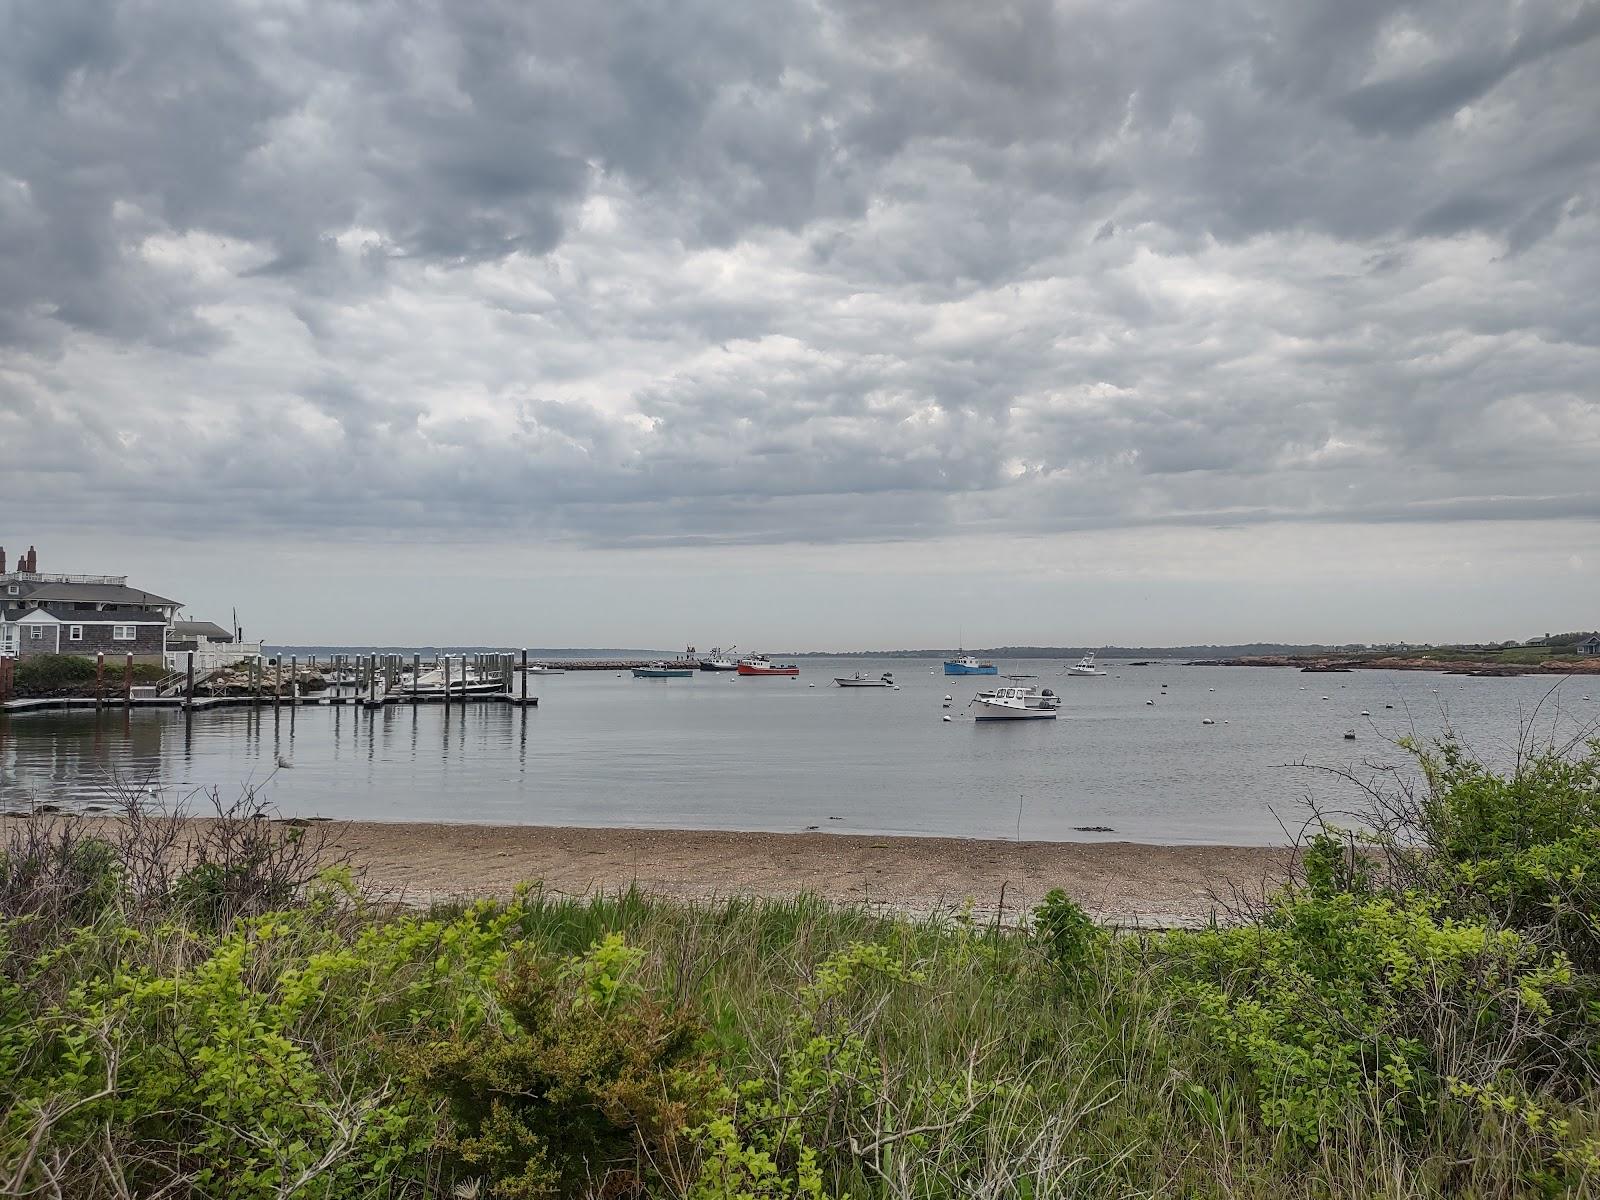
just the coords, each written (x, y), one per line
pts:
(1032, 697)
(462, 680)
(1084, 668)
(719, 660)
(967, 664)
(858, 680)
(760, 664)
(663, 670)
(1009, 704)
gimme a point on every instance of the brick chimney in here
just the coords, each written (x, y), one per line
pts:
(2, 560)
(33, 560)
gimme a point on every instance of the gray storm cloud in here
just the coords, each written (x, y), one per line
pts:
(640, 274)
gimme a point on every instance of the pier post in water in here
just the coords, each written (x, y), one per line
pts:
(127, 679)
(524, 674)
(294, 678)
(277, 680)
(416, 674)
(99, 678)
(188, 673)
(446, 659)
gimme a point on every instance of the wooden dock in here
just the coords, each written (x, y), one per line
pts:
(314, 701)
(376, 681)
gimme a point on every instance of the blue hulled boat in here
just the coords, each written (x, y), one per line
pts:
(661, 670)
(968, 665)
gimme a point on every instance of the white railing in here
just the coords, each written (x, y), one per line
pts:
(41, 577)
(212, 657)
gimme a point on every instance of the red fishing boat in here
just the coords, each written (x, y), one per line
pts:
(760, 664)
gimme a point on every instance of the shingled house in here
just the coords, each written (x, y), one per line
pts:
(79, 614)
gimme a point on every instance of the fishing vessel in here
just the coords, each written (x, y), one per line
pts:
(760, 664)
(1030, 696)
(1084, 668)
(720, 660)
(1009, 704)
(858, 680)
(663, 670)
(966, 664)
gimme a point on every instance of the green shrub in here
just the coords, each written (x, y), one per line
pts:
(1522, 848)
(584, 1086)
(1069, 935)
(53, 674)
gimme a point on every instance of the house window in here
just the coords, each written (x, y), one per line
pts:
(36, 633)
(124, 633)
(14, 589)
(74, 633)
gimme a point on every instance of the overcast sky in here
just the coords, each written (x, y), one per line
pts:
(852, 323)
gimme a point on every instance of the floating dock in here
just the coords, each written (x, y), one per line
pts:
(375, 681)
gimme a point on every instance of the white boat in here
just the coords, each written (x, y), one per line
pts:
(720, 660)
(1032, 697)
(464, 681)
(885, 680)
(541, 669)
(1009, 704)
(1084, 668)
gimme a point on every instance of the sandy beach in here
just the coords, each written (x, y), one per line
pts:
(1119, 882)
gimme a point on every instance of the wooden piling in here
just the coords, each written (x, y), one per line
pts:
(524, 674)
(416, 674)
(446, 658)
(294, 678)
(127, 679)
(99, 679)
(277, 681)
(188, 690)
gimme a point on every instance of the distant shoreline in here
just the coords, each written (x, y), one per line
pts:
(1480, 666)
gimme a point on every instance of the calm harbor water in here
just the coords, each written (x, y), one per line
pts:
(776, 754)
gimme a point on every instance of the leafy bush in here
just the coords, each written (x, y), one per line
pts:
(583, 1086)
(70, 674)
(1069, 935)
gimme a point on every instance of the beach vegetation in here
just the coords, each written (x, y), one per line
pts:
(219, 1009)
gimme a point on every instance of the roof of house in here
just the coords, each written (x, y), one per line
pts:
(95, 593)
(12, 616)
(205, 629)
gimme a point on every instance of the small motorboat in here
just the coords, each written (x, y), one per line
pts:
(760, 664)
(462, 680)
(1031, 697)
(663, 670)
(1084, 668)
(858, 680)
(1009, 704)
(967, 664)
(541, 669)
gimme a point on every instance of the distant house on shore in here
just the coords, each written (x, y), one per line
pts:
(213, 646)
(1589, 646)
(79, 614)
